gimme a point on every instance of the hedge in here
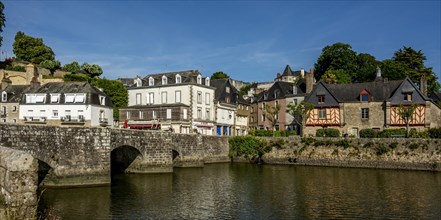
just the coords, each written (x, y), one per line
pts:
(327, 132)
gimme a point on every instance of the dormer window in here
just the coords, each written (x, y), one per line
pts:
(408, 96)
(178, 78)
(265, 96)
(55, 98)
(164, 80)
(102, 100)
(321, 99)
(151, 81)
(4, 96)
(364, 97)
(199, 79)
(207, 81)
(138, 82)
(227, 89)
(276, 94)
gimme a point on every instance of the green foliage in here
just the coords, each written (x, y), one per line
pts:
(392, 70)
(342, 143)
(270, 133)
(434, 132)
(31, 49)
(51, 65)
(413, 146)
(278, 143)
(338, 56)
(15, 68)
(300, 112)
(327, 132)
(393, 145)
(247, 146)
(219, 75)
(308, 140)
(366, 67)
(413, 133)
(72, 67)
(387, 133)
(368, 145)
(92, 70)
(368, 133)
(244, 90)
(271, 113)
(115, 90)
(2, 21)
(75, 77)
(381, 149)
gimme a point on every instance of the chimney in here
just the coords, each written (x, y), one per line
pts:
(378, 76)
(302, 73)
(294, 89)
(278, 75)
(309, 81)
(5, 81)
(423, 85)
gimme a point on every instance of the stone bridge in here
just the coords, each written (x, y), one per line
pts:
(79, 156)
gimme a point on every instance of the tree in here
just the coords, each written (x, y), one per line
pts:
(392, 70)
(413, 64)
(92, 69)
(406, 113)
(272, 113)
(2, 21)
(31, 49)
(366, 67)
(300, 112)
(115, 90)
(219, 75)
(51, 65)
(244, 90)
(72, 67)
(335, 57)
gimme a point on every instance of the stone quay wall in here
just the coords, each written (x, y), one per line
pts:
(18, 184)
(388, 153)
(215, 149)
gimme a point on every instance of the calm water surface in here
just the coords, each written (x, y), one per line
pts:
(245, 191)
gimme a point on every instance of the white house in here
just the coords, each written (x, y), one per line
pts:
(69, 104)
(177, 101)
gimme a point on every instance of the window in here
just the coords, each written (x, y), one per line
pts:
(295, 101)
(263, 117)
(178, 78)
(164, 80)
(207, 98)
(4, 96)
(138, 98)
(364, 97)
(199, 97)
(263, 106)
(154, 114)
(138, 82)
(177, 96)
(80, 114)
(184, 113)
(252, 119)
(55, 113)
(14, 120)
(55, 98)
(199, 79)
(207, 114)
(4, 110)
(14, 108)
(79, 98)
(365, 113)
(207, 81)
(321, 99)
(252, 109)
(141, 114)
(408, 97)
(128, 115)
(102, 100)
(40, 98)
(151, 81)
(227, 99)
(151, 98)
(67, 113)
(276, 103)
(199, 113)
(163, 97)
(322, 113)
(69, 98)
(227, 89)
(169, 114)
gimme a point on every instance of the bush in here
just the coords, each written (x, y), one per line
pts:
(368, 133)
(74, 77)
(413, 133)
(327, 132)
(15, 68)
(342, 143)
(387, 133)
(51, 65)
(434, 132)
(247, 146)
(381, 149)
(270, 133)
(393, 145)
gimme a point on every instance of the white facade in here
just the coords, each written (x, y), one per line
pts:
(225, 117)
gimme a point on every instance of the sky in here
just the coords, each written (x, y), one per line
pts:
(248, 40)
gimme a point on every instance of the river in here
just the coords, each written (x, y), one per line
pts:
(247, 191)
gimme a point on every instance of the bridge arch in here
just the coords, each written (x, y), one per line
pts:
(122, 157)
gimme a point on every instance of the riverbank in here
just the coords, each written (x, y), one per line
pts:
(385, 153)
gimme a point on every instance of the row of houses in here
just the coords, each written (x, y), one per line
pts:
(187, 102)
(53, 103)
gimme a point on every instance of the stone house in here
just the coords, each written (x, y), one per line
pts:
(232, 111)
(65, 104)
(176, 101)
(374, 105)
(290, 76)
(10, 100)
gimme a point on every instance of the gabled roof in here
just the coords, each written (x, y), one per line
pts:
(436, 97)
(379, 90)
(283, 90)
(287, 71)
(220, 92)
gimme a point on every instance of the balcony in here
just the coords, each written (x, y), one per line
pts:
(35, 120)
(68, 119)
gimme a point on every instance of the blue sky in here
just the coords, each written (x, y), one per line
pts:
(249, 40)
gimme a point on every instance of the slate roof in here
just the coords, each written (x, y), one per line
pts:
(378, 90)
(283, 90)
(127, 81)
(436, 97)
(288, 72)
(15, 92)
(92, 93)
(220, 92)
(187, 77)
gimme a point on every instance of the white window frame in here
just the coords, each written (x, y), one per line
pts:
(164, 80)
(138, 98)
(163, 97)
(55, 113)
(207, 98)
(128, 114)
(141, 114)
(169, 113)
(207, 114)
(178, 96)
(207, 81)
(55, 98)
(199, 97)
(184, 113)
(151, 98)
(102, 100)
(199, 79)
(151, 81)
(199, 113)
(322, 113)
(178, 79)
(4, 96)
